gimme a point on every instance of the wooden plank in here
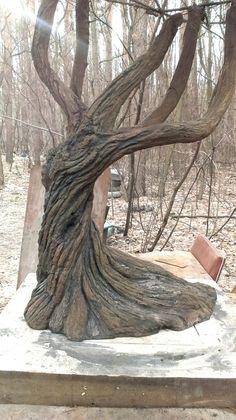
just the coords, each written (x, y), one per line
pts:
(33, 217)
(122, 391)
(180, 263)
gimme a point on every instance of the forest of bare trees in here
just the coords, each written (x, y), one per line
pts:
(33, 123)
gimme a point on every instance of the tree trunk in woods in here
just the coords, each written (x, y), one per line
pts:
(164, 166)
(140, 157)
(140, 173)
(86, 289)
(7, 88)
(1, 171)
(95, 78)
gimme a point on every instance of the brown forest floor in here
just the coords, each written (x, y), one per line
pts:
(12, 208)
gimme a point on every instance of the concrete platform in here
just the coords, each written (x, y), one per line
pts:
(191, 368)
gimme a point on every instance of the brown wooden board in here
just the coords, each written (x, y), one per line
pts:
(120, 391)
(33, 218)
(180, 263)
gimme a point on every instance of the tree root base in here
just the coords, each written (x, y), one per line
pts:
(113, 294)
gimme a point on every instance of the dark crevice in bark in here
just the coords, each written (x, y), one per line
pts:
(110, 294)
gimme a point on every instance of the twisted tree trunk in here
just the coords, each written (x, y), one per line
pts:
(86, 289)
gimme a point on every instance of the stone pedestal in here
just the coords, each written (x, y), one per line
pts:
(191, 368)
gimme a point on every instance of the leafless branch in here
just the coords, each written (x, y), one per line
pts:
(107, 106)
(161, 134)
(31, 125)
(201, 216)
(224, 224)
(160, 11)
(71, 105)
(82, 44)
(172, 200)
(182, 72)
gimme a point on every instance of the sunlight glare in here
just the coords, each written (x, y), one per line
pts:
(15, 7)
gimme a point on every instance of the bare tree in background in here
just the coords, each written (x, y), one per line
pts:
(7, 87)
(86, 289)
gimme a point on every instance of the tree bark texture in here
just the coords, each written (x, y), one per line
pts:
(86, 289)
(68, 98)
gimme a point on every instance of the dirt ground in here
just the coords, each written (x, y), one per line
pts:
(12, 212)
(145, 224)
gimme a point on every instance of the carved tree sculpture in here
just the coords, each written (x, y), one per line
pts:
(86, 289)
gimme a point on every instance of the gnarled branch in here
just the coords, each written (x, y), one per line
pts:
(182, 72)
(106, 108)
(131, 140)
(82, 44)
(71, 104)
